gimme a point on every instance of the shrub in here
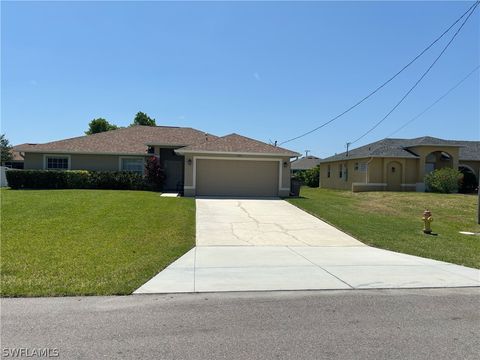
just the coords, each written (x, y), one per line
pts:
(74, 179)
(309, 177)
(446, 180)
(116, 180)
(154, 173)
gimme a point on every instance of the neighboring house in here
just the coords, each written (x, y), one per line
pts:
(304, 163)
(398, 164)
(196, 162)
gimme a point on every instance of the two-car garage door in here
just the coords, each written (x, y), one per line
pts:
(215, 177)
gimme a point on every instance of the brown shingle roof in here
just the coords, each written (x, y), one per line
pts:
(16, 153)
(131, 140)
(235, 143)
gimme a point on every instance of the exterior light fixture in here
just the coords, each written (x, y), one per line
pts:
(189, 161)
(285, 164)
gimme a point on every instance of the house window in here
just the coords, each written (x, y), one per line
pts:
(356, 167)
(362, 167)
(340, 171)
(57, 163)
(328, 171)
(132, 164)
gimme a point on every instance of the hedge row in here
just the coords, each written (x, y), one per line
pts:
(75, 179)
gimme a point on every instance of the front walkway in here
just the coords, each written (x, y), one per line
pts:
(265, 244)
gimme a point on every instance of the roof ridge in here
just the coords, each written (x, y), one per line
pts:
(258, 141)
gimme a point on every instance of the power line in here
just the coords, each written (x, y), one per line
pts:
(385, 83)
(435, 102)
(419, 80)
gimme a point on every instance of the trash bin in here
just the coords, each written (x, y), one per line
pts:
(295, 187)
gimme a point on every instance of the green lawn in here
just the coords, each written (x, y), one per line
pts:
(89, 242)
(392, 220)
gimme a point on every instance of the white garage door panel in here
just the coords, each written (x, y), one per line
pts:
(236, 178)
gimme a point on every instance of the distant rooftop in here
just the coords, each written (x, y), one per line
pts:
(305, 163)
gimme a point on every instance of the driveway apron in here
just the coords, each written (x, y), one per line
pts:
(269, 244)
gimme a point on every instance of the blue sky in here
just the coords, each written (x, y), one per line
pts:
(268, 70)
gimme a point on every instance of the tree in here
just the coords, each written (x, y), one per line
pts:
(310, 177)
(5, 149)
(99, 125)
(143, 119)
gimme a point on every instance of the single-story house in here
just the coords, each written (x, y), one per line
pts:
(198, 163)
(304, 163)
(398, 164)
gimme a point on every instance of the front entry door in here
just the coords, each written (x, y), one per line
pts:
(174, 174)
(394, 176)
(174, 168)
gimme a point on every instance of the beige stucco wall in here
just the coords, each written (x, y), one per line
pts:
(353, 176)
(374, 179)
(189, 169)
(375, 170)
(34, 161)
(411, 171)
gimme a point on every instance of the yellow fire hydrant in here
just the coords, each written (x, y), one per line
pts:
(427, 221)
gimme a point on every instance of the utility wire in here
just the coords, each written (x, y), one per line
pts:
(385, 83)
(435, 102)
(419, 80)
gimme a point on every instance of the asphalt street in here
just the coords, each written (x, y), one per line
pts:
(355, 324)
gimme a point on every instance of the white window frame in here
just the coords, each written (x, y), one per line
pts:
(46, 156)
(121, 158)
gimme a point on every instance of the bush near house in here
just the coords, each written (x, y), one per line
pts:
(310, 177)
(75, 179)
(446, 180)
(154, 173)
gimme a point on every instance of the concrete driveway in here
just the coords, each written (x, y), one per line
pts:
(269, 244)
(266, 222)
